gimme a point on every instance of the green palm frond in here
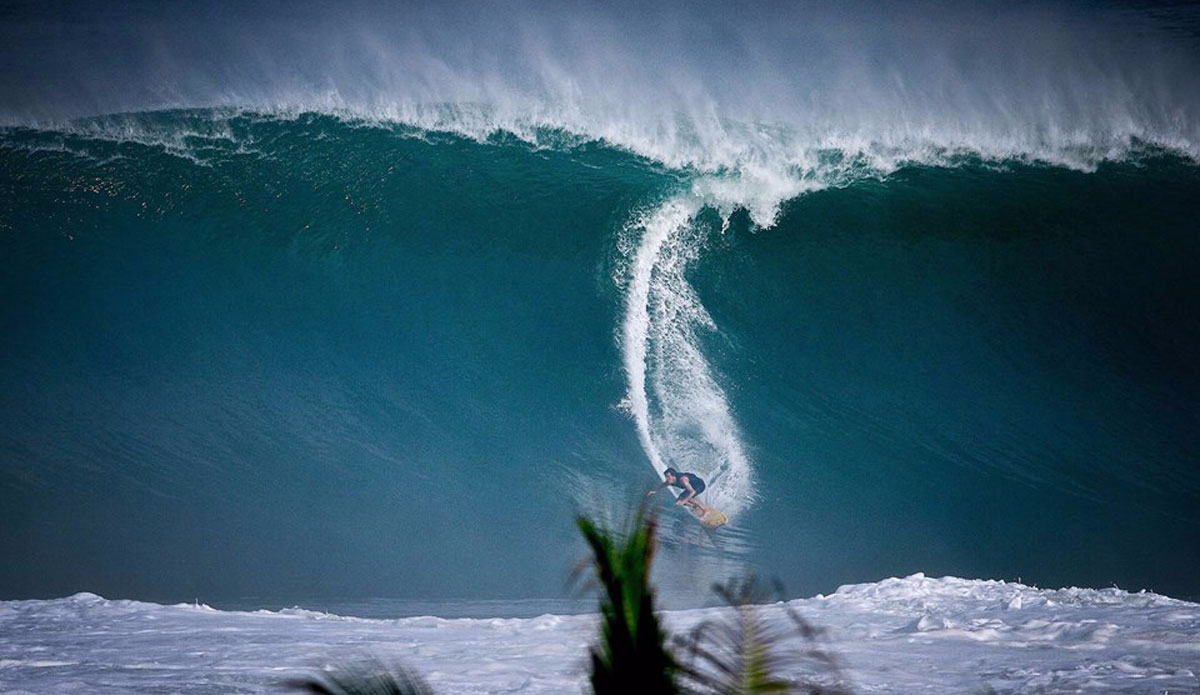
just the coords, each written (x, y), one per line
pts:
(632, 656)
(751, 651)
(370, 677)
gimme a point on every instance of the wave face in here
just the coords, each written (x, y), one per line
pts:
(909, 297)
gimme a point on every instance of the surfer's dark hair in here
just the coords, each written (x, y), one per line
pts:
(671, 471)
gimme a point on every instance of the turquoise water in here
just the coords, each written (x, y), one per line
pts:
(326, 306)
(321, 357)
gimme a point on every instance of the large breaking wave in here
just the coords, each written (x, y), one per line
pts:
(690, 126)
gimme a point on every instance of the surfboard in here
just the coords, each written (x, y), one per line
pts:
(711, 518)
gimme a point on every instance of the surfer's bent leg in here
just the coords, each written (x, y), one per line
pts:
(699, 487)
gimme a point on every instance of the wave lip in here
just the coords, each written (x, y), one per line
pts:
(783, 99)
(751, 165)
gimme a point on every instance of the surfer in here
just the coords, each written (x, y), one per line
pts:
(691, 483)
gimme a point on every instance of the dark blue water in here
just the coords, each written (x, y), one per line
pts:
(308, 357)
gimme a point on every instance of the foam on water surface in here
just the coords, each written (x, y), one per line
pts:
(915, 634)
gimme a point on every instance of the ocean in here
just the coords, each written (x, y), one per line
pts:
(319, 328)
(361, 308)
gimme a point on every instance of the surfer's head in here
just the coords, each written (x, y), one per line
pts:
(670, 475)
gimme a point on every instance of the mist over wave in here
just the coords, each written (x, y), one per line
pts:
(781, 96)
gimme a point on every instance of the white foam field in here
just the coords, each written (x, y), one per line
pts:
(903, 636)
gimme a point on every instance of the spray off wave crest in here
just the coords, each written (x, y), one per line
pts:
(683, 418)
(767, 103)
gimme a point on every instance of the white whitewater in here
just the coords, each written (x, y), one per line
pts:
(902, 636)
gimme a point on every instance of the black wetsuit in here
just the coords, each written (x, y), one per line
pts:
(697, 483)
